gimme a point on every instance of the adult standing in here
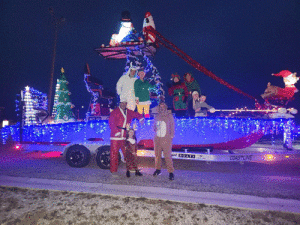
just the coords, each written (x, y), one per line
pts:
(192, 86)
(142, 94)
(119, 118)
(164, 127)
(125, 88)
(179, 92)
(191, 83)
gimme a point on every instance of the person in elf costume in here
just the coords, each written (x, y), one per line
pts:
(131, 151)
(125, 87)
(191, 83)
(179, 92)
(118, 119)
(142, 94)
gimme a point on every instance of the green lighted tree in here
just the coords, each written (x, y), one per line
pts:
(62, 109)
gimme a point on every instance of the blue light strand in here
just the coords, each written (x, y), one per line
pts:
(186, 130)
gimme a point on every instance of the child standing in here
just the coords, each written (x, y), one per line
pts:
(131, 152)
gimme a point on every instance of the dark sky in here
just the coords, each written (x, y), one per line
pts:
(242, 42)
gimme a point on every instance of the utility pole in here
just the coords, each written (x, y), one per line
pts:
(56, 23)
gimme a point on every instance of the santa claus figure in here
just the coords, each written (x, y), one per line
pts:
(118, 120)
(286, 93)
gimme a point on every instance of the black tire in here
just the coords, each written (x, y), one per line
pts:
(103, 157)
(78, 156)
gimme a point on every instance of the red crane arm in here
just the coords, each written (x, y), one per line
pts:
(169, 45)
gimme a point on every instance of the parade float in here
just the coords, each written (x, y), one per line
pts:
(193, 136)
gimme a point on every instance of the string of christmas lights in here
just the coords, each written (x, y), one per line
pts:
(188, 131)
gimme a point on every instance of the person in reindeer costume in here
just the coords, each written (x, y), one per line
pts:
(118, 119)
(125, 87)
(164, 127)
(131, 151)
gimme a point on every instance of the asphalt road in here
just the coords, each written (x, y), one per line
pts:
(279, 180)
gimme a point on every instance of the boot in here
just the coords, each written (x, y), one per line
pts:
(171, 176)
(128, 173)
(157, 172)
(138, 173)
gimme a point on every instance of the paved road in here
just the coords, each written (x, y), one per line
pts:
(278, 180)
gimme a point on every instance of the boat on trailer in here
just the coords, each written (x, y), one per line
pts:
(195, 139)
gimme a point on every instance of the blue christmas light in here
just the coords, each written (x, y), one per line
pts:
(203, 130)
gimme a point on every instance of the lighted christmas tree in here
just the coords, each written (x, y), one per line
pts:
(62, 109)
(34, 107)
(54, 110)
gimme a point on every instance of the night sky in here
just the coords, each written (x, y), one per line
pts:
(242, 42)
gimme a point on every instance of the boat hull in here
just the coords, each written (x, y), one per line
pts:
(238, 143)
(218, 133)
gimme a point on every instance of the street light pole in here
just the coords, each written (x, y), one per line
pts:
(56, 23)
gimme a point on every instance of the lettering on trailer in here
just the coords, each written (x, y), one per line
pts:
(201, 156)
(190, 156)
(241, 158)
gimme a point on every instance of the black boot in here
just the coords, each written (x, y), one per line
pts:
(157, 172)
(171, 176)
(128, 173)
(138, 173)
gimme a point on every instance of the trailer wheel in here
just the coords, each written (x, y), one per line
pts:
(78, 156)
(103, 157)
